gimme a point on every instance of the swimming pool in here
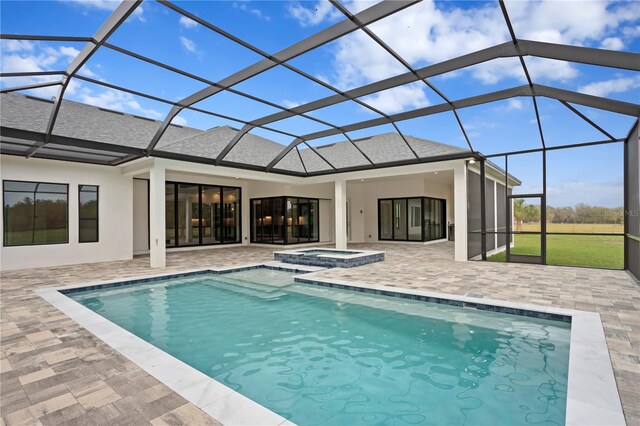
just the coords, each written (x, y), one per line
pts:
(320, 355)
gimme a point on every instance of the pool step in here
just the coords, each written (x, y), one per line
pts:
(250, 289)
(264, 285)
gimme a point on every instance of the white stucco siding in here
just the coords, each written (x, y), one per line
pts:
(363, 200)
(140, 216)
(115, 213)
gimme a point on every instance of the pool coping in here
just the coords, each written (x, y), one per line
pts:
(592, 393)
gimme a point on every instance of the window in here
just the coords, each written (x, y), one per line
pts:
(198, 215)
(88, 213)
(35, 213)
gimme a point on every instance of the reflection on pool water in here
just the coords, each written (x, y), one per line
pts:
(320, 355)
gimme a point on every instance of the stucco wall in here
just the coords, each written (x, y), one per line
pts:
(140, 216)
(115, 213)
(363, 200)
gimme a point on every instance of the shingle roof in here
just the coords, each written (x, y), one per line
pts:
(86, 122)
(82, 121)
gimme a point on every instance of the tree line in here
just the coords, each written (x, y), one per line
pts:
(581, 213)
(25, 215)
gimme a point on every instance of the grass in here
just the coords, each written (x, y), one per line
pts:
(51, 236)
(585, 228)
(593, 251)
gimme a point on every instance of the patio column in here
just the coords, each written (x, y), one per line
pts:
(157, 237)
(460, 214)
(340, 206)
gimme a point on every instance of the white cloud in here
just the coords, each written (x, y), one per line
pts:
(109, 5)
(612, 43)
(139, 13)
(86, 71)
(16, 45)
(320, 11)
(550, 69)
(399, 99)
(35, 57)
(187, 23)
(106, 5)
(570, 193)
(71, 52)
(180, 121)
(242, 5)
(427, 33)
(256, 12)
(188, 44)
(119, 101)
(15, 63)
(514, 104)
(631, 31)
(606, 87)
(291, 104)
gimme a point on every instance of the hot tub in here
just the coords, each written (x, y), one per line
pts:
(329, 258)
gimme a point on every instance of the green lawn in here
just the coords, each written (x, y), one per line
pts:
(51, 236)
(593, 251)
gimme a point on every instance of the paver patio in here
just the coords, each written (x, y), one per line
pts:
(54, 372)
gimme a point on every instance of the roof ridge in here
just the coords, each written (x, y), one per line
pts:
(395, 134)
(202, 132)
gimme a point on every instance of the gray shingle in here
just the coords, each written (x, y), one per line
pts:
(427, 148)
(206, 144)
(91, 123)
(25, 112)
(254, 150)
(342, 154)
(385, 148)
(312, 161)
(291, 162)
(81, 121)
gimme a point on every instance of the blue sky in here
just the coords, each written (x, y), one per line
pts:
(423, 34)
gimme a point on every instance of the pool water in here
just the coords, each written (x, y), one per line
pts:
(323, 356)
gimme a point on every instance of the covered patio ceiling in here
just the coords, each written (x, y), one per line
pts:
(297, 152)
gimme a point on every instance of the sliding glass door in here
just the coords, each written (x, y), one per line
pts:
(385, 219)
(411, 219)
(188, 215)
(399, 219)
(284, 220)
(211, 231)
(434, 219)
(231, 219)
(201, 214)
(414, 219)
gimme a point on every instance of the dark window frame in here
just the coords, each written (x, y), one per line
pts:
(97, 218)
(5, 216)
(284, 199)
(220, 223)
(424, 237)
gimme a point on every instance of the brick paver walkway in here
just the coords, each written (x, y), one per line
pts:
(54, 372)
